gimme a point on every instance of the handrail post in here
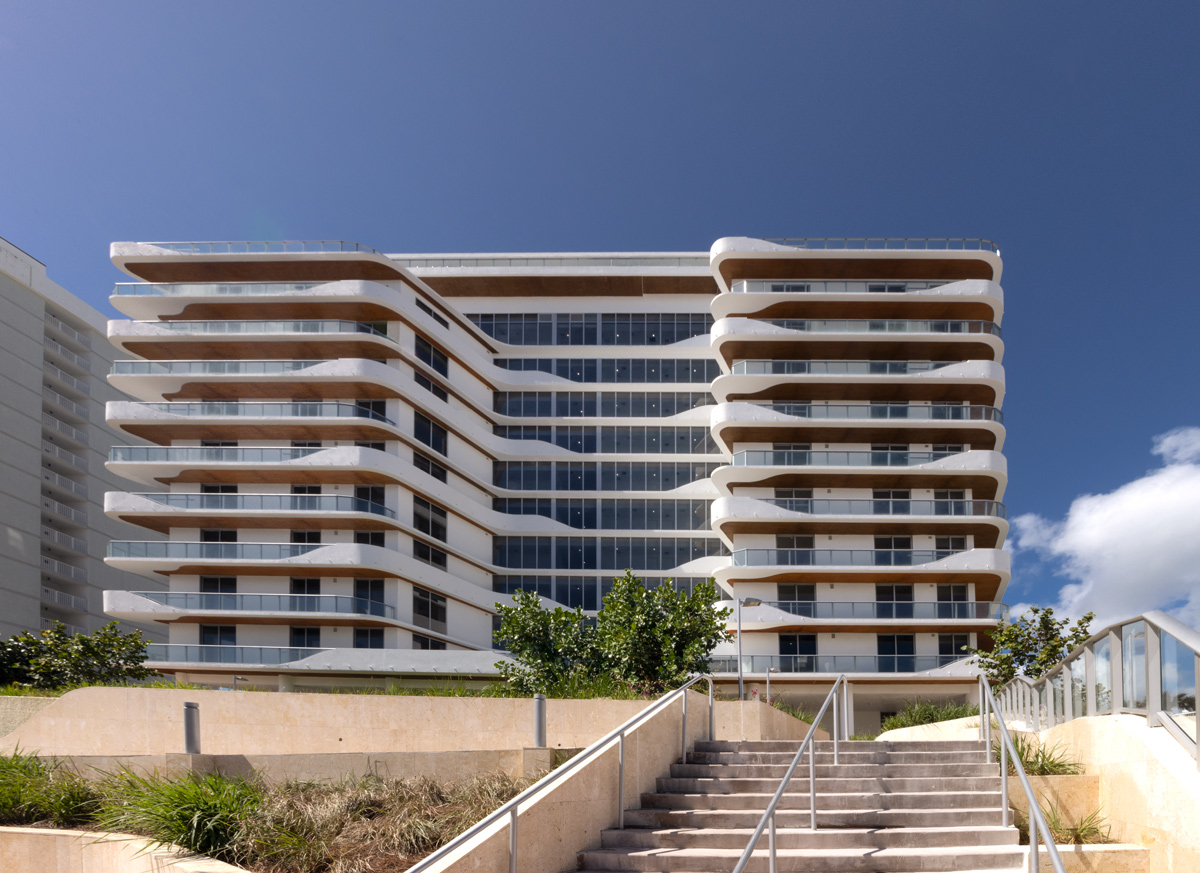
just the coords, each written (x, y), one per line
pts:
(1033, 841)
(683, 741)
(621, 781)
(512, 840)
(771, 845)
(712, 715)
(1003, 784)
(986, 702)
(812, 784)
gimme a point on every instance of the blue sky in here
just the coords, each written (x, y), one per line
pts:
(1065, 132)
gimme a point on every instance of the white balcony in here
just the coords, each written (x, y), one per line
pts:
(749, 297)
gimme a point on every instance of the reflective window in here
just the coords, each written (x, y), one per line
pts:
(1179, 683)
(430, 433)
(663, 370)
(434, 357)
(429, 610)
(1102, 650)
(1133, 665)
(609, 553)
(634, 439)
(589, 329)
(588, 404)
(592, 476)
(585, 591)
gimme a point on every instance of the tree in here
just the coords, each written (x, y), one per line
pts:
(1032, 644)
(56, 659)
(649, 637)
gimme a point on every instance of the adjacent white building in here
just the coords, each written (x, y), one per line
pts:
(363, 452)
(54, 355)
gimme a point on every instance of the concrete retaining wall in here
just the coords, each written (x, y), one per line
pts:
(37, 850)
(15, 711)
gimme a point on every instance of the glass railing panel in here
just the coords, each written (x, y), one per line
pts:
(836, 368)
(1102, 651)
(316, 409)
(863, 411)
(205, 454)
(209, 289)
(838, 557)
(760, 664)
(850, 506)
(884, 243)
(883, 325)
(1179, 683)
(822, 609)
(809, 286)
(173, 653)
(210, 551)
(208, 368)
(327, 603)
(269, 502)
(267, 327)
(795, 458)
(234, 247)
(1133, 665)
(1078, 676)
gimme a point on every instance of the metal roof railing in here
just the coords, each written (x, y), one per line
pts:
(928, 244)
(242, 247)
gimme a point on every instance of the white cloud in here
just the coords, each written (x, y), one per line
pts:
(1133, 549)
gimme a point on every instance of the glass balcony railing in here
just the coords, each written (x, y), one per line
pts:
(839, 557)
(269, 503)
(807, 286)
(328, 603)
(864, 506)
(242, 247)
(833, 663)
(209, 289)
(240, 409)
(177, 551)
(208, 368)
(805, 458)
(205, 455)
(267, 327)
(171, 653)
(882, 325)
(926, 244)
(969, 610)
(836, 368)
(895, 411)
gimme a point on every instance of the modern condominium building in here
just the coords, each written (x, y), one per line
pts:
(53, 354)
(364, 452)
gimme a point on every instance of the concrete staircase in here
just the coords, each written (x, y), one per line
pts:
(917, 807)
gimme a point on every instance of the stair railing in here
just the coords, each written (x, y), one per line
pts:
(617, 735)
(767, 822)
(1037, 822)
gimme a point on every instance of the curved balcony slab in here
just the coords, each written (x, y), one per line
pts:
(988, 569)
(783, 422)
(167, 558)
(163, 511)
(965, 298)
(984, 472)
(867, 617)
(979, 383)
(317, 420)
(735, 258)
(223, 660)
(301, 339)
(738, 339)
(984, 519)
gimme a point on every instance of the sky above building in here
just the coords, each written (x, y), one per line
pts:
(1067, 133)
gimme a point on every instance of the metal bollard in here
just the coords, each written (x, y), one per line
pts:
(539, 720)
(191, 728)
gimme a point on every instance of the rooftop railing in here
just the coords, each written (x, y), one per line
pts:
(927, 244)
(268, 502)
(863, 506)
(807, 458)
(1145, 665)
(871, 609)
(304, 326)
(242, 247)
(863, 411)
(836, 368)
(209, 289)
(205, 455)
(883, 325)
(469, 261)
(179, 551)
(807, 286)
(209, 368)
(170, 653)
(250, 409)
(326, 603)
(839, 557)
(833, 663)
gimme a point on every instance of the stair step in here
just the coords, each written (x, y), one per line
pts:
(892, 860)
(829, 771)
(950, 799)
(826, 818)
(805, 838)
(844, 757)
(799, 785)
(873, 746)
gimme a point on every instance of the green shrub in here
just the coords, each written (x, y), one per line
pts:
(1039, 760)
(917, 712)
(34, 790)
(201, 813)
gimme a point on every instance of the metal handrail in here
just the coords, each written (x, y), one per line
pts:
(617, 735)
(1038, 828)
(767, 822)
